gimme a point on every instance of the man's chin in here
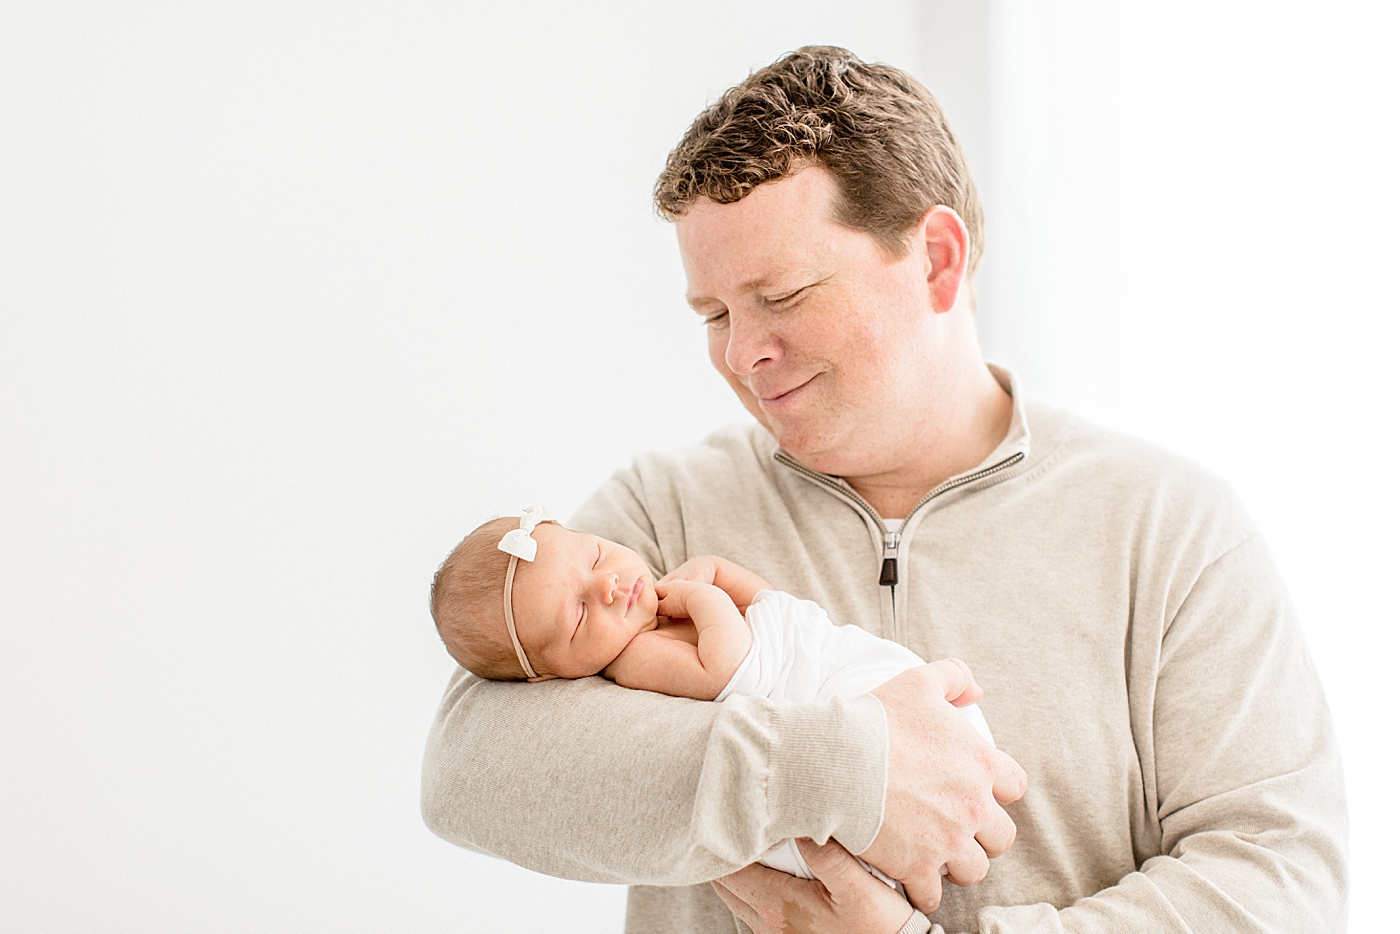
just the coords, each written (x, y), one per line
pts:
(809, 448)
(807, 443)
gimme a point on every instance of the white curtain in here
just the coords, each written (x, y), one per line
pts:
(1192, 236)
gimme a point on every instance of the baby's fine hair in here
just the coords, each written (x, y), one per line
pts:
(467, 603)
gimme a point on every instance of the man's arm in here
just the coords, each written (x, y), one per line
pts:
(658, 790)
(588, 780)
(1245, 772)
(1242, 766)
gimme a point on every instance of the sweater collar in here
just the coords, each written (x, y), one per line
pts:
(1018, 434)
(1006, 459)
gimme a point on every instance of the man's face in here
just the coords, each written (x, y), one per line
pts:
(817, 330)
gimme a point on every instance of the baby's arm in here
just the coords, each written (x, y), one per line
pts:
(740, 583)
(658, 661)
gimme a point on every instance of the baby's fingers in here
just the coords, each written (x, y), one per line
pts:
(701, 570)
(670, 605)
(672, 598)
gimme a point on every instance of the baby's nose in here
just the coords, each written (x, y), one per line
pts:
(610, 584)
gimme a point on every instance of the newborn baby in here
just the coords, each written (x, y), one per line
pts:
(527, 599)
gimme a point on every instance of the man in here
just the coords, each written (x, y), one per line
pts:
(1140, 657)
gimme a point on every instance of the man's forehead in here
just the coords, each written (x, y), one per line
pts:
(779, 232)
(752, 260)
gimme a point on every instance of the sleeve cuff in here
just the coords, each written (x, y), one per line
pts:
(918, 923)
(827, 771)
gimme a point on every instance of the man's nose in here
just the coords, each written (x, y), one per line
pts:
(750, 343)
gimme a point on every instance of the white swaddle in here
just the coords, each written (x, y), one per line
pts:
(799, 654)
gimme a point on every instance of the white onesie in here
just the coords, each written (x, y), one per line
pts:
(799, 654)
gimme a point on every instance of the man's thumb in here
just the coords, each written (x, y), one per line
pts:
(830, 862)
(956, 681)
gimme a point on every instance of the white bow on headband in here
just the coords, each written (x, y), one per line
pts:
(521, 546)
(519, 542)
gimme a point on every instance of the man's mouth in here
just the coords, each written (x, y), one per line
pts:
(777, 399)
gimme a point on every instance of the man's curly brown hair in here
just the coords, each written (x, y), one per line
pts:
(873, 127)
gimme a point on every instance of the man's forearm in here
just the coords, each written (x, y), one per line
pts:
(587, 780)
(1245, 777)
(1215, 883)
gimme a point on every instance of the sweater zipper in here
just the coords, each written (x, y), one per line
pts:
(889, 565)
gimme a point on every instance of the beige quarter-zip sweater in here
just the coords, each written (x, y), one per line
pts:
(1140, 656)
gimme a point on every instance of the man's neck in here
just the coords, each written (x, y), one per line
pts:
(972, 419)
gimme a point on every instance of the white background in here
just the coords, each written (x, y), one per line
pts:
(293, 295)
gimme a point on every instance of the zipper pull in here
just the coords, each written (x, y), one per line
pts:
(889, 568)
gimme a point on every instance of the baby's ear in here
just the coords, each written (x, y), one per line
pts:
(541, 678)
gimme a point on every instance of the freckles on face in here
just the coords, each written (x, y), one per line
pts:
(842, 358)
(718, 345)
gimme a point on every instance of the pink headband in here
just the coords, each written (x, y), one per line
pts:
(521, 546)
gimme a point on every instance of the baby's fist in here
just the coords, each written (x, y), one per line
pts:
(680, 599)
(702, 570)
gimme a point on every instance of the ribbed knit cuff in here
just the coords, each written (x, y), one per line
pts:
(827, 771)
(918, 923)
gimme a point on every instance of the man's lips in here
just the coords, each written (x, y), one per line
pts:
(778, 398)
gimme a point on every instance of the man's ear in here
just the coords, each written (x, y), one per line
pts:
(943, 236)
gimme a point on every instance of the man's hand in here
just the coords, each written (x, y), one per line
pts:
(844, 899)
(945, 786)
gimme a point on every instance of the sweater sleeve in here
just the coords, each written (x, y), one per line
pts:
(587, 780)
(590, 781)
(1244, 770)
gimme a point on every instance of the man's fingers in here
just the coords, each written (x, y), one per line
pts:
(830, 863)
(955, 681)
(754, 879)
(936, 797)
(853, 900)
(756, 888)
(997, 835)
(924, 890)
(968, 867)
(738, 907)
(1008, 781)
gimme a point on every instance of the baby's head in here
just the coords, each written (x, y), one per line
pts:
(575, 606)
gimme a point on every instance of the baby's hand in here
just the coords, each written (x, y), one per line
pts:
(702, 570)
(740, 584)
(685, 599)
